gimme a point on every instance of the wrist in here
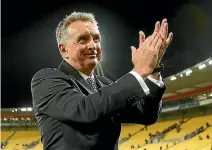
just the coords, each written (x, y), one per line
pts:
(155, 75)
(158, 64)
(142, 73)
(159, 68)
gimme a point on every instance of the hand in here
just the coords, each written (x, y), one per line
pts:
(145, 57)
(163, 31)
(167, 38)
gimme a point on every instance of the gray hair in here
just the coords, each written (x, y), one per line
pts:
(61, 30)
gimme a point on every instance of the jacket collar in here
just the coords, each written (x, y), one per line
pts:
(74, 74)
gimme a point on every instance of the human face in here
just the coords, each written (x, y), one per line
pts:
(83, 49)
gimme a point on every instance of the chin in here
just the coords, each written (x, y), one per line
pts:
(91, 63)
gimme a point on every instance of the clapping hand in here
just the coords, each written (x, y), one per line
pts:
(151, 49)
(162, 29)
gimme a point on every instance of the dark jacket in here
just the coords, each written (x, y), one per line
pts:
(72, 117)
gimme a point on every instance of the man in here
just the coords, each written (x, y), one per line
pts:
(79, 110)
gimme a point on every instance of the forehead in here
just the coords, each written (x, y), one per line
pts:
(80, 27)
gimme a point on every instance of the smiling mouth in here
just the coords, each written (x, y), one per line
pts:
(91, 55)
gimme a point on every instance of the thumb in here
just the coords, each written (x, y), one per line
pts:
(141, 38)
(133, 49)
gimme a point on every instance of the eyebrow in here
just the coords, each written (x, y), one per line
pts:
(96, 35)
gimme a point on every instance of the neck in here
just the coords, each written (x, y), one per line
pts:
(87, 71)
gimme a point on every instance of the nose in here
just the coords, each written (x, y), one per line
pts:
(92, 45)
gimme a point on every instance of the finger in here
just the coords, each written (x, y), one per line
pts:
(141, 38)
(165, 31)
(163, 22)
(154, 42)
(133, 49)
(162, 25)
(169, 39)
(150, 39)
(158, 44)
(157, 26)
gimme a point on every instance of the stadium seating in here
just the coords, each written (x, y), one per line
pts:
(138, 136)
(5, 135)
(188, 127)
(130, 129)
(38, 147)
(21, 138)
(195, 143)
(191, 144)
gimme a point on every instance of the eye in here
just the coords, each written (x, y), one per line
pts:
(96, 38)
(84, 39)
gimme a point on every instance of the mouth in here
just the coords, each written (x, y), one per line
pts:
(91, 55)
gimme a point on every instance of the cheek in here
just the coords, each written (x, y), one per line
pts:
(99, 52)
(81, 51)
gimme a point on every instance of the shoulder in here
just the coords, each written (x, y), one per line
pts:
(105, 80)
(47, 73)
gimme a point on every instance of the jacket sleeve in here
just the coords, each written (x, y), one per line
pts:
(57, 96)
(146, 110)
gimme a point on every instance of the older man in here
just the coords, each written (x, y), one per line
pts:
(79, 110)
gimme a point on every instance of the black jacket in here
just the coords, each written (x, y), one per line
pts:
(72, 117)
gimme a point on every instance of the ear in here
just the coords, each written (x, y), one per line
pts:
(99, 53)
(99, 57)
(63, 50)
